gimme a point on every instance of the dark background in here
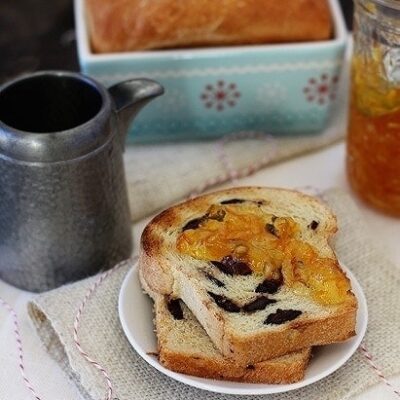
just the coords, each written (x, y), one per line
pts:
(39, 34)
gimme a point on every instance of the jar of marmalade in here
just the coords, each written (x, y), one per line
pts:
(373, 141)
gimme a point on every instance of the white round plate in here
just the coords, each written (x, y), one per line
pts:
(136, 315)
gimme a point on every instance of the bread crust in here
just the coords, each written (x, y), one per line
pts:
(124, 25)
(270, 372)
(163, 277)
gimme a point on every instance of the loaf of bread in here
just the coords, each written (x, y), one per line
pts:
(126, 25)
(255, 267)
(184, 347)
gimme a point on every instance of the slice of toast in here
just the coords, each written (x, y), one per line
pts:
(255, 268)
(184, 347)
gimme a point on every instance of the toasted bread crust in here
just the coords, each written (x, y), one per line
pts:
(271, 372)
(156, 271)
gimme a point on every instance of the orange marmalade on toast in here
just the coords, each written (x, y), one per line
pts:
(270, 245)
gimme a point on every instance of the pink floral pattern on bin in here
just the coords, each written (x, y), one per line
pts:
(220, 95)
(321, 90)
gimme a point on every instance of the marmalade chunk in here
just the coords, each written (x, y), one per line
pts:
(270, 245)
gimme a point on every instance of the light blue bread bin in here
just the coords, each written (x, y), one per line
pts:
(279, 89)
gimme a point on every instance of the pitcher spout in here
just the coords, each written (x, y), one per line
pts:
(130, 97)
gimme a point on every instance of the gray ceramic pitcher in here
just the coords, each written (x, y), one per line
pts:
(64, 211)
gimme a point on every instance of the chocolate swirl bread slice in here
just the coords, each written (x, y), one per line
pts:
(184, 347)
(255, 267)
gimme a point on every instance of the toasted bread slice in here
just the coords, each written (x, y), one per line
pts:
(255, 267)
(184, 347)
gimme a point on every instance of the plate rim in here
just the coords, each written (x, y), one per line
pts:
(256, 391)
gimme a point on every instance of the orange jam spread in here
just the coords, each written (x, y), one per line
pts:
(309, 274)
(269, 245)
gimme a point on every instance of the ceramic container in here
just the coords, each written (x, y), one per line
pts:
(284, 89)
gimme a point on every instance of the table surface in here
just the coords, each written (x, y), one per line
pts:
(298, 172)
(39, 35)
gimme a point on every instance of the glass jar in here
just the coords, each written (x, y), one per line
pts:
(373, 141)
